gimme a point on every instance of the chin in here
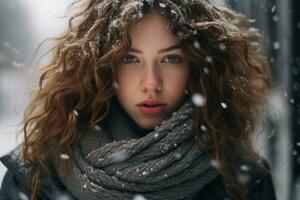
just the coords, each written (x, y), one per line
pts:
(148, 125)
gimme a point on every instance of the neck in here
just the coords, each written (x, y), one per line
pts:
(118, 121)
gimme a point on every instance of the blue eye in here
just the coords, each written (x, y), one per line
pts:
(129, 58)
(172, 59)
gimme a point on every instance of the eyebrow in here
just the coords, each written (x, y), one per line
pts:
(176, 46)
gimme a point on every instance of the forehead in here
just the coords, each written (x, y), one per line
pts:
(153, 29)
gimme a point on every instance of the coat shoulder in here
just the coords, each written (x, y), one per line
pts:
(257, 180)
(17, 180)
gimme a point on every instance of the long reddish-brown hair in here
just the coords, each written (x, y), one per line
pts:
(228, 69)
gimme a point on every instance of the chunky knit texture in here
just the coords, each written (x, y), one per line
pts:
(165, 164)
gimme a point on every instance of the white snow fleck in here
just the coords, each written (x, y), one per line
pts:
(273, 9)
(203, 128)
(162, 5)
(6, 44)
(64, 156)
(252, 20)
(243, 179)
(180, 33)
(215, 163)
(298, 144)
(145, 173)
(245, 167)
(222, 47)
(209, 59)
(224, 105)
(63, 196)
(115, 85)
(275, 18)
(198, 99)
(72, 34)
(97, 127)
(206, 70)
(294, 153)
(292, 101)
(139, 197)
(178, 155)
(156, 135)
(196, 44)
(119, 156)
(75, 113)
(23, 196)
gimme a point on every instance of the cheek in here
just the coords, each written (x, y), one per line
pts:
(125, 83)
(178, 82)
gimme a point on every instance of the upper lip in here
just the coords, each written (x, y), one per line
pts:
(150, 102)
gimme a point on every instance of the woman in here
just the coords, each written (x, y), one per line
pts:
(146, 100)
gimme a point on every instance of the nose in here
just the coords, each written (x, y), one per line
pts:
(151, 80)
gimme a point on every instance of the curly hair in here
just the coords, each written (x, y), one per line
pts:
(228, 69)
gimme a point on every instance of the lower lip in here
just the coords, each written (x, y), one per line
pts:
(152, 110)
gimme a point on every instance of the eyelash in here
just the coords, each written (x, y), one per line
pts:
(179, 59)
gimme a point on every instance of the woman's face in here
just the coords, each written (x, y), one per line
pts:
(154, 71)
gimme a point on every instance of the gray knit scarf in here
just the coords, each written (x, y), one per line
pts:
(164, 164)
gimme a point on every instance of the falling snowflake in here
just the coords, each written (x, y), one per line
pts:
(243, 178)
(273, 9)
(224, 105)
(23, 196)
(63, 196)
(119, 156)
(209, 59)
(222, 47)
(275, 18)
(97, 127)
(85, 186)
(64, 156)
(180, 33)
(75, 113)
(145, 173)
(139, 197)
(196, 44)
(203, 128)
(115, 85)
(178, 156)
(162, 5)
(215, 164)
(198, 99)
(156, 135)
(252, 20)
(244, 167)
(206, 70)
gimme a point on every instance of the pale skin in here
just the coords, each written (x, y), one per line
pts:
(152, 70)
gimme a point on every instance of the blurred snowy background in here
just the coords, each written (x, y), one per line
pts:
(25, 23)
